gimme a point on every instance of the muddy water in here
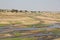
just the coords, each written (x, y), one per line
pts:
(2, 29)
(10, 28)
(56, 25)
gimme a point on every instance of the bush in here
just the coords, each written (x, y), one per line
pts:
(13, 10)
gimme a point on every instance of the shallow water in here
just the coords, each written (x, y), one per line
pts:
(10, 28)
(2, 29)
(56, 25)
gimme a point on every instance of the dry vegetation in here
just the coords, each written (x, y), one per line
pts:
(25, 17)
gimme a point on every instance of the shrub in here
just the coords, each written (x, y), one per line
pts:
(13, 10)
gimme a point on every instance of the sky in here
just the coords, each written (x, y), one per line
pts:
(38, 5)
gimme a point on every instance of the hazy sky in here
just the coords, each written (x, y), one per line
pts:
(42, 5)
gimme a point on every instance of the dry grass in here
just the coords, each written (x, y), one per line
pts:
(29, 18)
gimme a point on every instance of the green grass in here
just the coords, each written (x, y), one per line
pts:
(38, 25)
(56, 31)
(17, 22)
(11, 39)
(17, 33)
(3, 25)
(18, 39)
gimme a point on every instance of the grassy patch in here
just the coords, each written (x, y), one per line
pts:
(17, 33)
(56, 31)
(18, 39)
(17, 22)
(38, 25)
(1, 25)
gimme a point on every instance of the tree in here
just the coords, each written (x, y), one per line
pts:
(1, 10)
(21, 11)
(38, 11)
(26, 11)
(13, 10)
